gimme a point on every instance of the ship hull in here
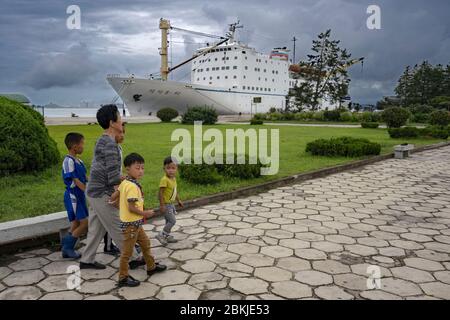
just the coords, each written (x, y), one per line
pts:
(146, 96)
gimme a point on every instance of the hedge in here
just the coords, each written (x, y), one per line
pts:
(437, 132)
(256, 122)
(370, 125)
(214, 173)
(343, 146)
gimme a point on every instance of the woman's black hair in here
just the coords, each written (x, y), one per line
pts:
(107, 113)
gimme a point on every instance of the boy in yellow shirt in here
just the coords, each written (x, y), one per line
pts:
(132, 216)
(167, 196)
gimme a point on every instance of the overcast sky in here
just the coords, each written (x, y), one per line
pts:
(42, 58)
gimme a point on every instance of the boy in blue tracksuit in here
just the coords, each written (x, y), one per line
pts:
(74, 177)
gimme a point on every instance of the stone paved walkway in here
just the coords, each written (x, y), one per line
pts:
(311, 240)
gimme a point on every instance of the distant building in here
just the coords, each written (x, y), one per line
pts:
(17, 97)
(392, 99)
(367, 107)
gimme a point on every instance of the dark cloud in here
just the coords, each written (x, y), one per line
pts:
(65, 69)
(45, 59)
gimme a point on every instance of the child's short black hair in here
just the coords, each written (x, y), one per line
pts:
(73, 138)
(169, 160)
(133, 158)
(107, 113)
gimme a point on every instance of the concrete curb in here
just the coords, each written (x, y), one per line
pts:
(33, 231)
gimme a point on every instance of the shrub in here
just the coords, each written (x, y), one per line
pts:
(395, 117)
(309, 115)
(421, 113)
(366, 116)
(167, 114)
(300, 116)
(332, 115)
(406, 132)
(421, 109)
(275, 116)
(370, 125)
(199, 173)
(272, 110)
(318, 116)
(346, 116)
(440, 118)
(356, 117)
(205, 114)
(288, 116)
(440, 133)
(260, 116)
(376, 116)
(304, 115)
(256, 121)
(343, 146)
(420, 118)
(437, 132)
(242, 171)
(441, 102)
(25, 145)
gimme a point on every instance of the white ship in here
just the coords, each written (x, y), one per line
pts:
(228, 76)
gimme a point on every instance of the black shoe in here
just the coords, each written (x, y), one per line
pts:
(129, 282)
(94, 265)
(158, 268)
(136, 264)
(113, 251)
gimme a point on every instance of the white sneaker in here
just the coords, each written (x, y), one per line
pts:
(171, 239)
(161, 239)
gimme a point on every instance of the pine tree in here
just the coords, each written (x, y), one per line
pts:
(421, 84)
(325, 75)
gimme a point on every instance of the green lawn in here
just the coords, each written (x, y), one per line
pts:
(32, 195)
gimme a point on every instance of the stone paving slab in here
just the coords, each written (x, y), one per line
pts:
(378, 232)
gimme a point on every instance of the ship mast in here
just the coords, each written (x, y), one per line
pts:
(232, 30)
(164, 25)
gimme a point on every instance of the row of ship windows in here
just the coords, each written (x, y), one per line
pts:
(234, 68)
(228, 58)
(216, 59)
(234, 77)
(257, 88)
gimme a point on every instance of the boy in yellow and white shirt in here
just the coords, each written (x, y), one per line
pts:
(132, 216)
(167, 196)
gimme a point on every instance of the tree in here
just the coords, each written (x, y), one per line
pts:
(446, 82)
(441, 102)
(422, 83)
(324, 73)
(395, 117)
(440, 118)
